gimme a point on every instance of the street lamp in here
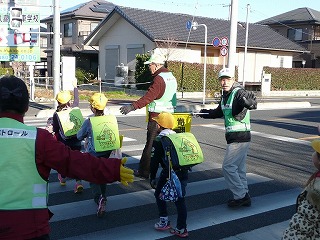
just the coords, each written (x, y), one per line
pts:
(303, 63)
(194, 26)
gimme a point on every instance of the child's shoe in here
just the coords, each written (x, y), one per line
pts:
(163, 224)
(101, 207)
(78, 188)
(183, 233)
(63, 181)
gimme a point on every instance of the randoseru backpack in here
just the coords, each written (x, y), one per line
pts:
(183, 148)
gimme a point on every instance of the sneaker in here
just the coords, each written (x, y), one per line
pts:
(63, 181)
(78, 188)
(183, 232)
(101, 207)
(245, 201)
(163, 224)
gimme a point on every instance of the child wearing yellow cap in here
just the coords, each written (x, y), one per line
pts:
(305, 223)
(165, 124)
(64, 103)
(98, 102)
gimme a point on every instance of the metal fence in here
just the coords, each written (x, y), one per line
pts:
(46, 82)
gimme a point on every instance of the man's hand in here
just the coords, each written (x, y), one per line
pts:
(153, 183)
(125, 109)
(249, 101)
(126, 174)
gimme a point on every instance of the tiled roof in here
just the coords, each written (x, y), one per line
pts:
(95, 9)
(299, 15)
(158, 25)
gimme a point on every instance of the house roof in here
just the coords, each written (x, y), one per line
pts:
(161, 26)
(95, 9)
(299, 15)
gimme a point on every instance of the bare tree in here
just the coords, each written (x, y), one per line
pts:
(167, 46)
(19, 68)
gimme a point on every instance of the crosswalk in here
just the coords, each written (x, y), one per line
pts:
(132, 212)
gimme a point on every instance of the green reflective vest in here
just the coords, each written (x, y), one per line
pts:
(183, 149)
(232, 124)
(25, 189)
(168, 101)
(105, 133)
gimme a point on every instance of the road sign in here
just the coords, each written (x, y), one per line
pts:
(188, 25)
(224, 41)
(19, 38)
(216, 42)
(223, 51)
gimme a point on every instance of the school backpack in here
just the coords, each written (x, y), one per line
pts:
(70, 121)
(183, 149)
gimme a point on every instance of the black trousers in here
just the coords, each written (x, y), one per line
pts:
(144, 164)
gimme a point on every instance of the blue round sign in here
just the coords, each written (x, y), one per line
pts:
(216, 42)
(188, 25)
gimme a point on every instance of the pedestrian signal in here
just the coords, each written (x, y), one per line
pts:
(15, 17)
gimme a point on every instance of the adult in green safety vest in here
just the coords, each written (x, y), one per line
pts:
(161, 96)
(234, 105)
(27, 156)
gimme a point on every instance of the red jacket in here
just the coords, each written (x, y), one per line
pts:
(51, 154)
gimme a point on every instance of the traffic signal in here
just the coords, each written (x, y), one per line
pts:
(15, 17)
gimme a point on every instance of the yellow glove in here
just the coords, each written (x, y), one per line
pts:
(126, 174)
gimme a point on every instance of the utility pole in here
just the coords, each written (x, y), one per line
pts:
(233, 35)
(245, 48)
(56, 50)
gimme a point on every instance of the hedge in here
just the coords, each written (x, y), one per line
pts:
(289, 79)
(189, 75)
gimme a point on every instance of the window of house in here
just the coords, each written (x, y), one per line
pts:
(67, 30)
(51, 35)
(43, 42)
(133, 50)
(281, 61)
(111, 61)
(316, 35)
(295, 34)
(93, 25)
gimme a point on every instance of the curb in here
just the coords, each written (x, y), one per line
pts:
(282, 105)
(46, 113)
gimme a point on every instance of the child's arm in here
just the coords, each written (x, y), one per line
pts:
(76, 100)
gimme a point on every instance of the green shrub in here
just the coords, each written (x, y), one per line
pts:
(84, 76)
(288, 79)
(190, 76)
(142, 74)
(6, 71)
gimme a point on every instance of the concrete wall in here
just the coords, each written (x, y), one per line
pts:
(255, 61)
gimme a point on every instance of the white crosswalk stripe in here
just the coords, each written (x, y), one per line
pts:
(70, 208)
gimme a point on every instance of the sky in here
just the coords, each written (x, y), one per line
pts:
(259, 9)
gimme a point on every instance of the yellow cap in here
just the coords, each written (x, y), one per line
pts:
(98, 101)
(165, 120)
(316, 145)
(63, 97)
